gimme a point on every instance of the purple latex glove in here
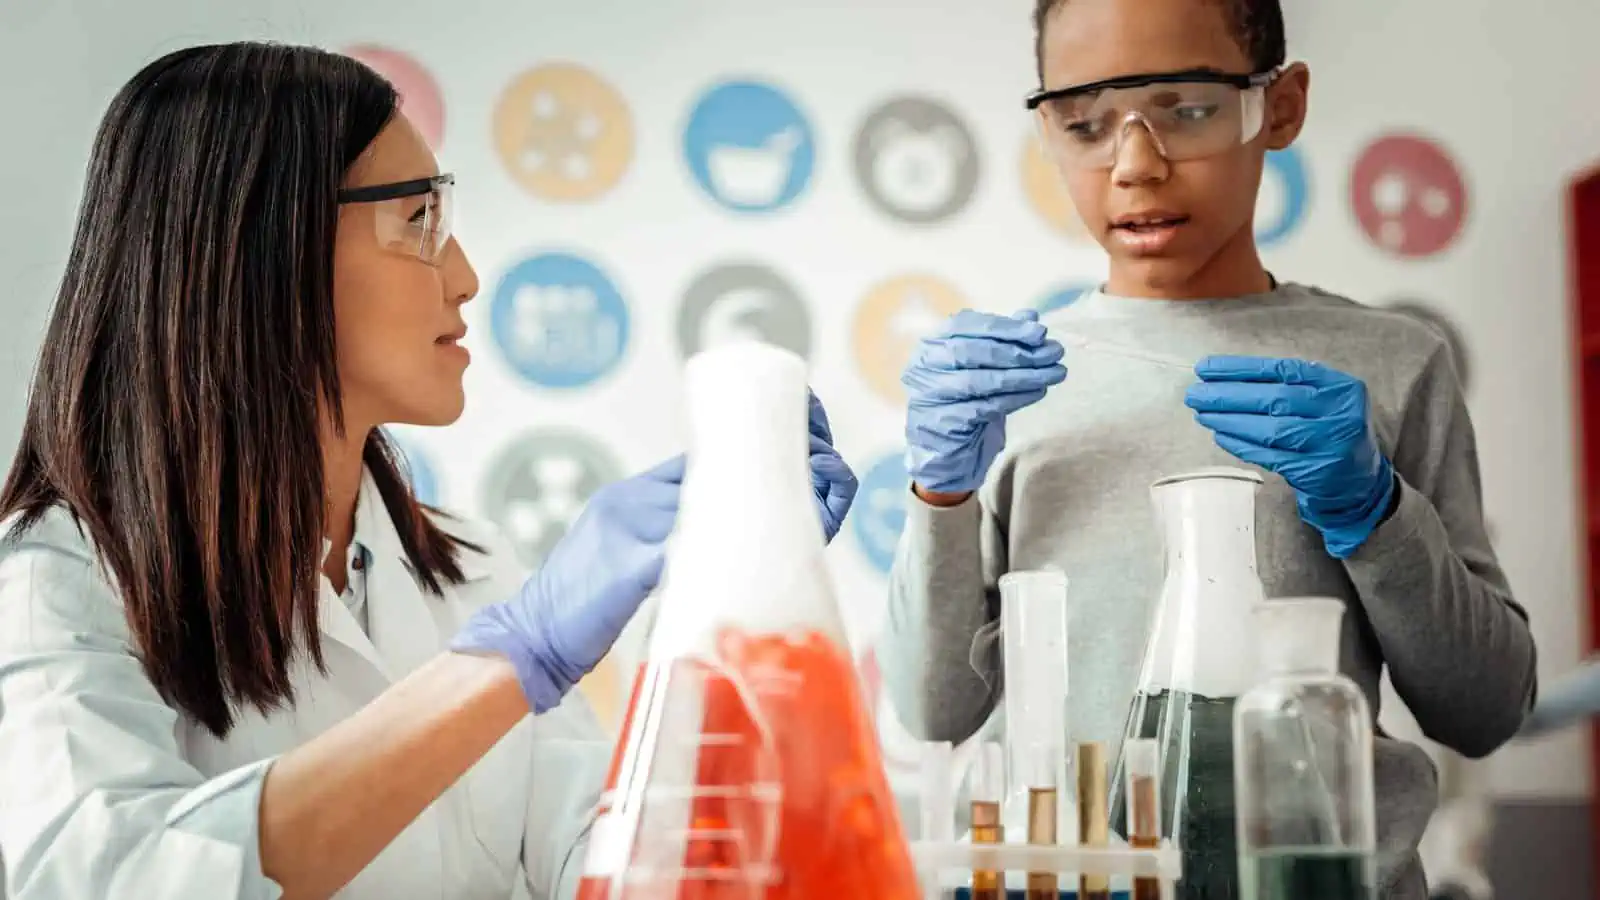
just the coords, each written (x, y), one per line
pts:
(570, 612)
(835, 485)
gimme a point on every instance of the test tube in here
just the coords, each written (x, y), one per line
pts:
(1143, 767)
(1043, 813)
(1094, 825)
(938, 802)
(986, 787)
(1033, 611)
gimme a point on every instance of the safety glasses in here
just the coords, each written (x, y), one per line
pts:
(1189, 115)
(410, 217)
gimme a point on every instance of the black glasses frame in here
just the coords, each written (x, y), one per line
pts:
(415, 187)
(1204, 76)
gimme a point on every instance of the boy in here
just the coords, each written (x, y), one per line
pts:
(1159, 114)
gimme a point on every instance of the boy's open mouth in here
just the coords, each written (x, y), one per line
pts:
(1144, 223)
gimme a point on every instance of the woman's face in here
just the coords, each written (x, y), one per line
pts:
(397, 315)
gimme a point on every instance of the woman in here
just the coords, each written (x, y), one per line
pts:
(226, 657)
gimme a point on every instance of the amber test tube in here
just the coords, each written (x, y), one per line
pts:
(1094, 823)
(987, 787)
(1043, 813)
(1143, 768)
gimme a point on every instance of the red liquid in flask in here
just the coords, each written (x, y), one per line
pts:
(789, 799)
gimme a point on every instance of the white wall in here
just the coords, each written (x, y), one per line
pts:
(1509, 95)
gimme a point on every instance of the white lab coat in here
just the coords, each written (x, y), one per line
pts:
(107, 792)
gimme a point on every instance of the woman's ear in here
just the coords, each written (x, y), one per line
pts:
(1286, 106)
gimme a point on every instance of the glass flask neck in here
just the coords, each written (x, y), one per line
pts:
(746, 551)
(1209, 520)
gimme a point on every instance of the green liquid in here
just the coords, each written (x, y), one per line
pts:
(1308, 874)
(1207, 836)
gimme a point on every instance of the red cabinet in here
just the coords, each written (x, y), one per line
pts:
(1583, 211)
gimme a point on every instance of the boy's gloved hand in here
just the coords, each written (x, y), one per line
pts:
(570, 612)
(831, 478)
(962, 383)
(1309, 424)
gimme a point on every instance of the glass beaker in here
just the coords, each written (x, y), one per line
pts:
(1307, 825)
(1199, 659)
(748, 766)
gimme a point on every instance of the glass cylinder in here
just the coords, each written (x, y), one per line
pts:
(1033, 613)
(1303, 764)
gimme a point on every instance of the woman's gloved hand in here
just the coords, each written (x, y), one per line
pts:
(1309, 424)
(570, 612)
(961, 385)
(835, 485)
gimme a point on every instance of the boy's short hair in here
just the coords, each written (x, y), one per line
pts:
(1256, 24)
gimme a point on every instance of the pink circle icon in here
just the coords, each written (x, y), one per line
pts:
(420, 97)
(1408, 195)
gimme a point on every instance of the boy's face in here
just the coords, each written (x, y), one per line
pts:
(1210, 251)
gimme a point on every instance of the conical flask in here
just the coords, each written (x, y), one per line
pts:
(1199, 659)
(748, 767)
(1303, 764)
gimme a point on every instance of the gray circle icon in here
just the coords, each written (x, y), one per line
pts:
(742, 301)
(1428, 315)
(539, 483)
(916, 160)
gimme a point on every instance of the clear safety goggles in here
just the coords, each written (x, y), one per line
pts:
(414, 217)
(1188, 115)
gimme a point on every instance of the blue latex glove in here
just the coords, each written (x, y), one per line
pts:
(831, 478)
(570, 612)
(962, 383)
(1309, 424)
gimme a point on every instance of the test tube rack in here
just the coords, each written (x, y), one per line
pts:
(941, 864)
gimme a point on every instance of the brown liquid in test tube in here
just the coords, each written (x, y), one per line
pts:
(1042, 830)
(986, 829)
(1094, 825)
(1145, 829)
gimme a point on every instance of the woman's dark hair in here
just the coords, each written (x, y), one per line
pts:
(1257, 25)
(176, 403)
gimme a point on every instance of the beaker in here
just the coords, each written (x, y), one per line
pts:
(1307, 825)
(1199, 659)
(1033, 624)
(748, 766)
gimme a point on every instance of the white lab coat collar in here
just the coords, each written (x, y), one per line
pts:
(403, 621)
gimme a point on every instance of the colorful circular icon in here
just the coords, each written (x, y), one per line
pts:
(916, 160)
(879, 513)
(559, 321)
(1430, 315)
(1284, 198)
(1064, 297)
(418, 469)
(892, 319)
(749, 147)
(1408, 195)
(1047, 193)
(420, 98)
(563, 133)
(539, 483)
(742, 301)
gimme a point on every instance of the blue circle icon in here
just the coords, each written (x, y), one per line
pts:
(559, 321)
(879, 513)
(1063, 298)
(418, 470)
(750, 147)
(1293, 183)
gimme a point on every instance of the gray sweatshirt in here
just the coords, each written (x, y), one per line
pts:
(1425, 594)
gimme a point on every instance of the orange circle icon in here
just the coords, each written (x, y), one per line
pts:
(1048, 196)
(892, 319)
(563, 133)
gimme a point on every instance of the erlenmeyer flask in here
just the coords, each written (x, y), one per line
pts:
(1199, 660)
(748, 767)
